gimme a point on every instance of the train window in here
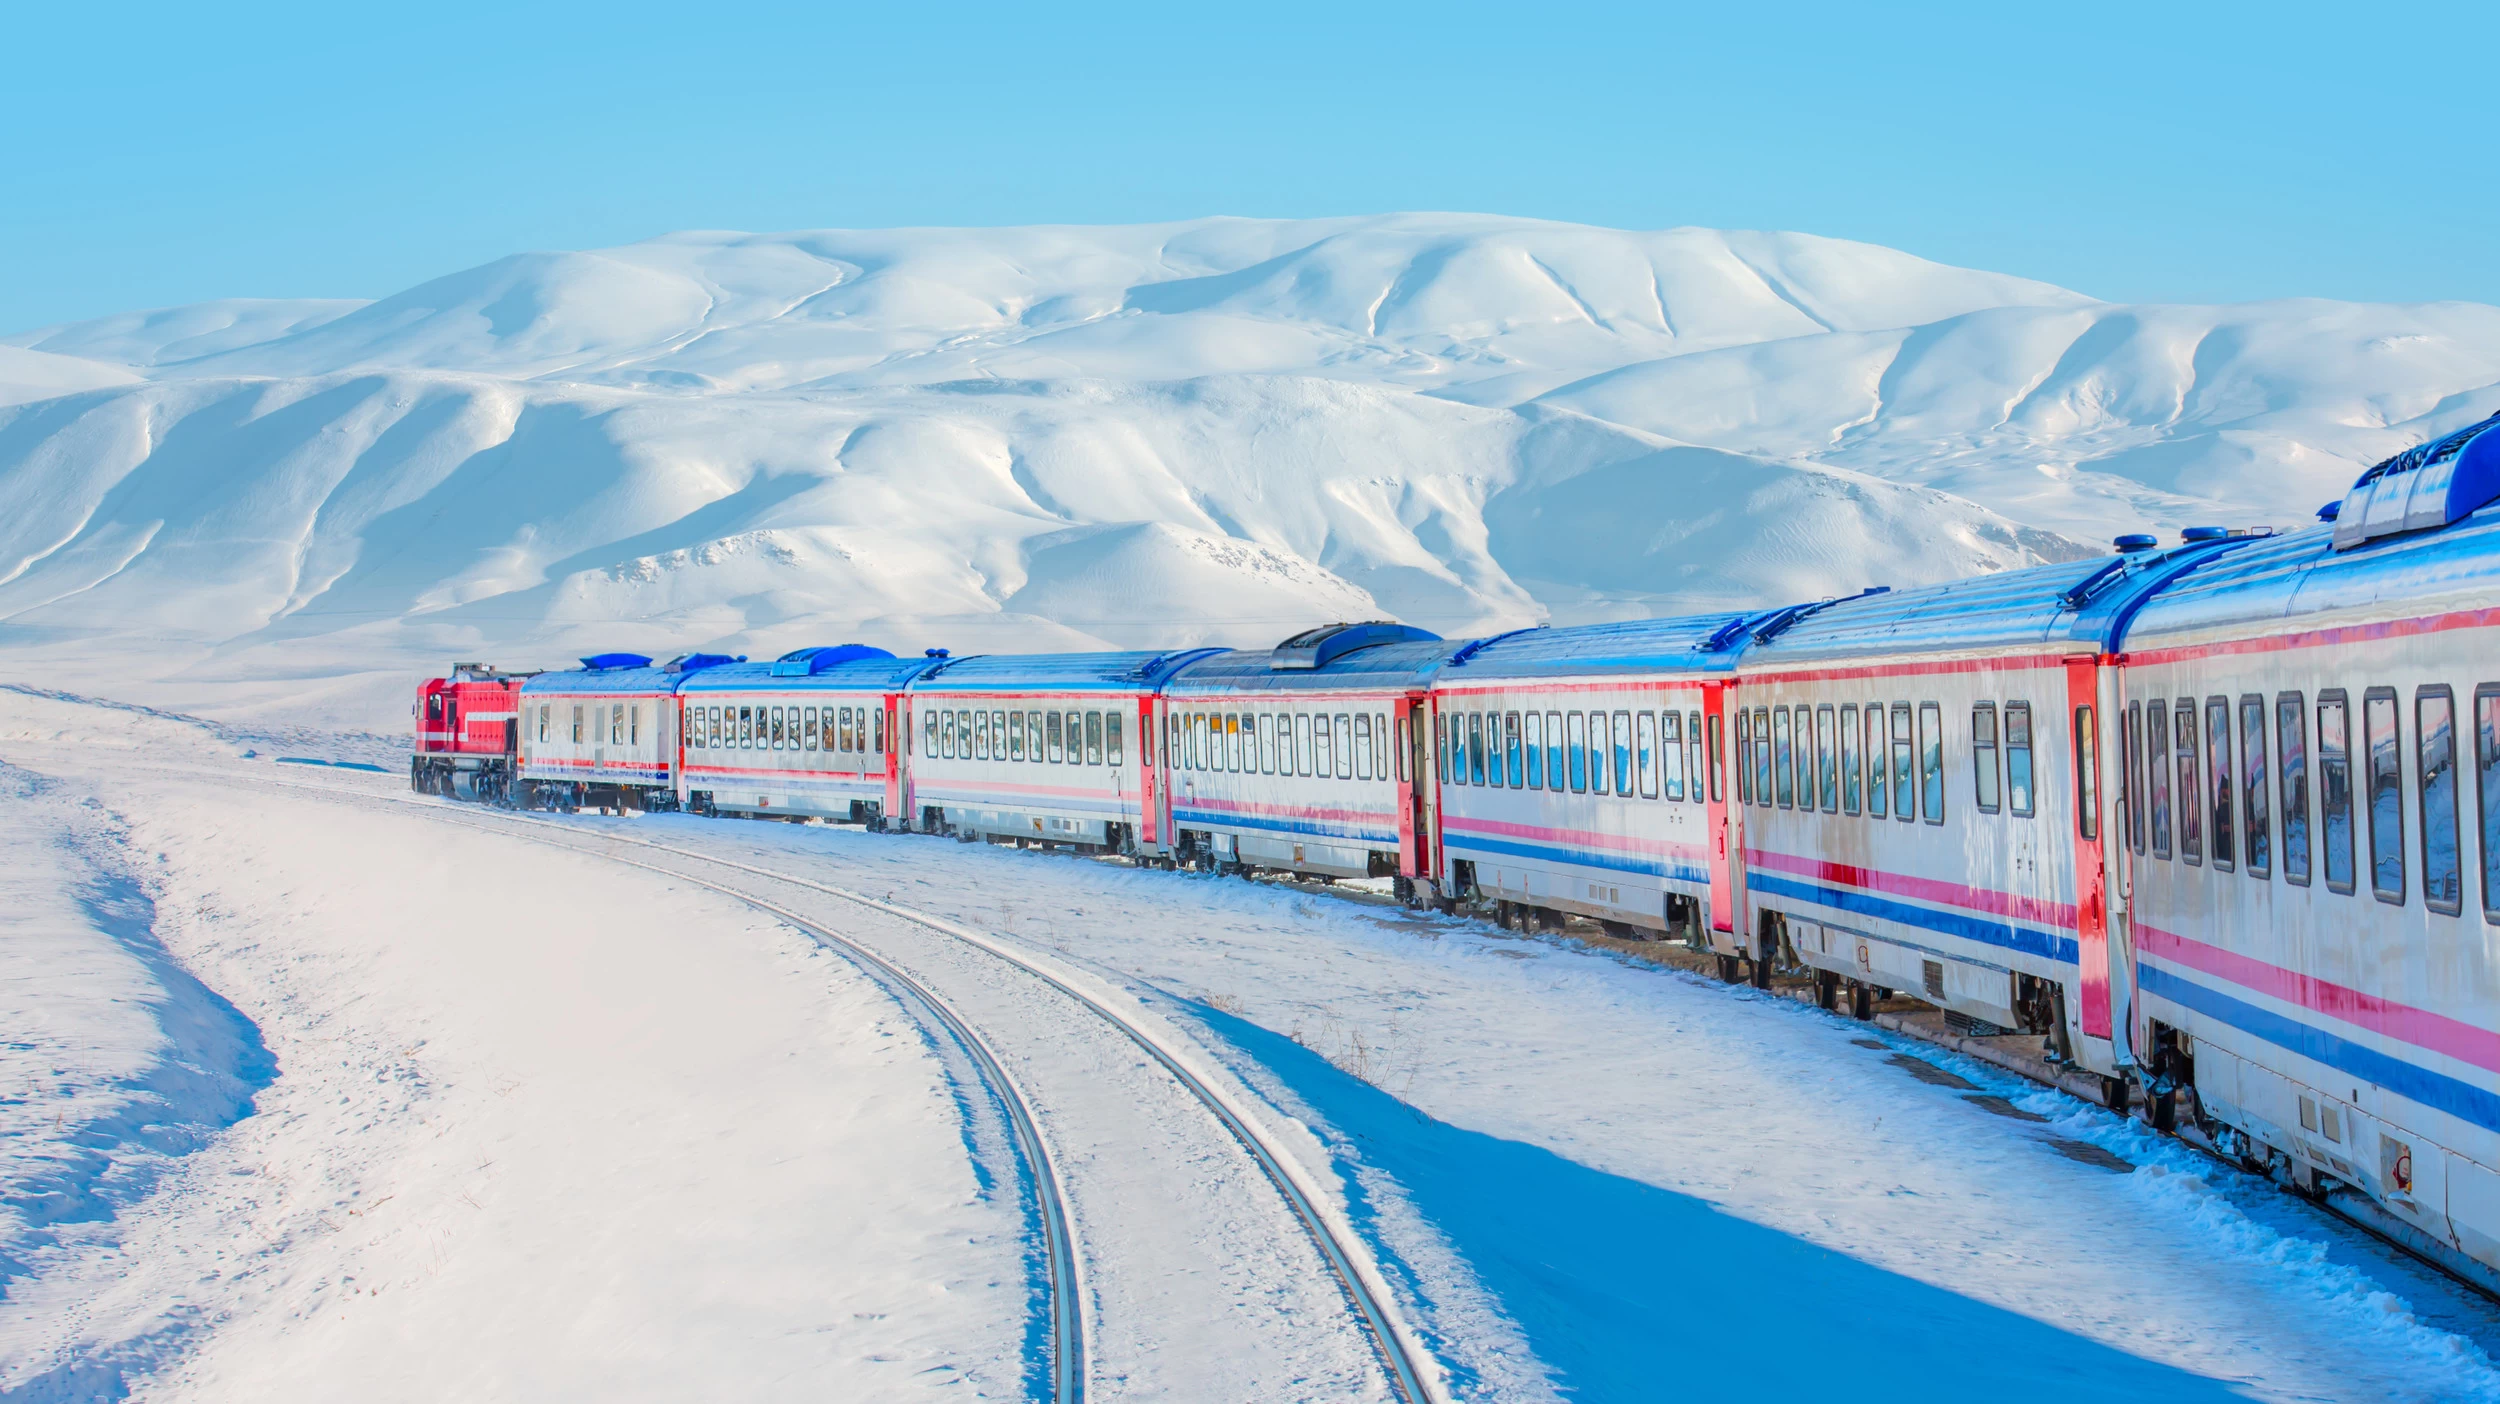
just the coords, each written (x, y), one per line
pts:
(2218, 786)
(2386, 794)
(1054, 741)
(1074, 726)
(981, 734)
(746, 728)
(1554, 766)
(616, 724)
(998, 734)
(1576, 727)
(1112, 751)
(2087, 740)
(1762, 751)
(2487, 792)
(1852, 760)
(1324, 748)
(2131, 784)
(1904, 761)
(1668, 766)
(1931, 760)
(1827, 756)
(1222, 753)
(1536, 750)
(2435, 780)
(1493, 770)
(768, 728)
(2291, 753)
(1345, 748)
(577, 723)
(1014, 732)
(1473, 762)
(1743, 755)
(959, 739)
(1598, 746)
(1783, 759)
(1512, 759)
(2191, 806)
(2157, 775)
(1878, 768)
(1705, 741)
(1362, 746)
(1263, 742)
(1623, 754)
(1983, 748)
(546, 716)
(1093, 739)
(807, 728)
(633, 725)
(2257, 826)
(1380, 747)
(1405, 742)
(1302, 746)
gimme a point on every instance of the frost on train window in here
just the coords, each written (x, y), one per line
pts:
(1513, 761)
(2385, 759)
(1533, 733)
(1554, 764)
(2435, 780)
(1577, 725)
(1878, 768)
(2487, 793)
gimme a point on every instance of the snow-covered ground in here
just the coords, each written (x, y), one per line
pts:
(327, 1097)
(1216, 430)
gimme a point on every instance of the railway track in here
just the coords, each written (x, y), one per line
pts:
(1412, 1375)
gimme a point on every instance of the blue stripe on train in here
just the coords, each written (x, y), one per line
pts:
(1213, 820)
(1575, 858)
(2460, 1099)
(1985, 930)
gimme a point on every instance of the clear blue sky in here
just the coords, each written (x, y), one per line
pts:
(2160, 152)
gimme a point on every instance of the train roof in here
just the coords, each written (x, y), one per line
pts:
(621, 674)
(2085, 605)
(842, 666)
(2305, 573)
(1407, 661)
(1588, 650)
(1057, 672)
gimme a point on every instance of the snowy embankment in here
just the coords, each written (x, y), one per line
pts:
(1219, 430)
(534, 1125)
(512, 1124)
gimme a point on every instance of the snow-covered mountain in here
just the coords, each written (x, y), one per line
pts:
(1216, 430)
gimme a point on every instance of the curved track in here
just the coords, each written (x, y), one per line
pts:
(1408, 1365)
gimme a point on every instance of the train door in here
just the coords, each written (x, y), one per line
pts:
(1722, 815)
(1410, 788)
(894, 802)
(2083, 727)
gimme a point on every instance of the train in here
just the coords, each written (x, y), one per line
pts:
(2217, 821)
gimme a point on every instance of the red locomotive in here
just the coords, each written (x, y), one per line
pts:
(468, 733)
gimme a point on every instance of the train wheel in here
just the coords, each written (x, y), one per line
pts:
(1727, 970)
(1861, 1000)
(1761, 973)
(1826, 989)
